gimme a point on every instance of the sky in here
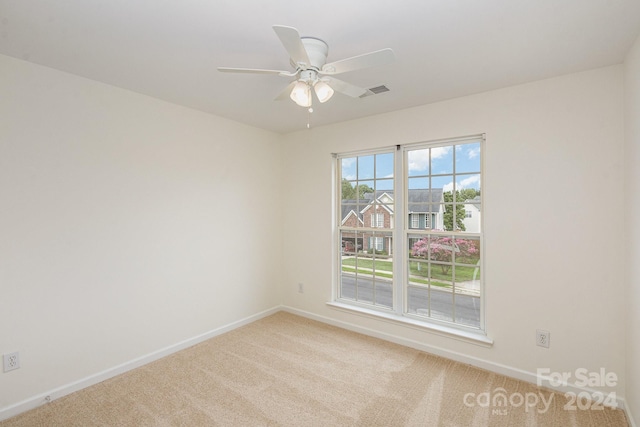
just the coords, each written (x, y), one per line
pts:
(434, 164)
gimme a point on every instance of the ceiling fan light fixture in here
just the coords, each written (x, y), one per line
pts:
(324, 92)
(301, 94)
(308, 56)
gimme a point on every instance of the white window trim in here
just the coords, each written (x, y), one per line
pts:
(377, 220)
(470, 336)
(415, 220)
(397, 315)
(378, 243)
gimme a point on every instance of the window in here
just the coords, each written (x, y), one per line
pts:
(377, 220)
(424, 265)
(366, 188)
(377, 243)
(415, 221)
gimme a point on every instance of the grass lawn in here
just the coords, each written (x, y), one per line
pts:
(462, 273)
(378, 273)
(390, 276)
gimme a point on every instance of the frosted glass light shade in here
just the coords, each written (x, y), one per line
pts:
(323, 91)
(301, 94)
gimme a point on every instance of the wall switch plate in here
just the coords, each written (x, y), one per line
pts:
(11, 361)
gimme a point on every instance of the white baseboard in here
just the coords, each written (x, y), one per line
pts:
(498, 368)
(632, 423)
(51, 395)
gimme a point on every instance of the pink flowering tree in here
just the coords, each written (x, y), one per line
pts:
(442, 248)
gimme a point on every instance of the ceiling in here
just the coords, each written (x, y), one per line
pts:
(170, 49)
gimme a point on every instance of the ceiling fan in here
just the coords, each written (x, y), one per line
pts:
(308, 57)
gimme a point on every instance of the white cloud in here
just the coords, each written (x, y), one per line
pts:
(348, 162)
(473, 152)
(438, 152)
(348, 168)
(419, 159)
(470, 182)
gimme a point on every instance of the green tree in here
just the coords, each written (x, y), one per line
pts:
(467, 194)
(448, 212)
(349, 192)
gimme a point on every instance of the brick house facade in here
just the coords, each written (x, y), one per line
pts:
(375, 211)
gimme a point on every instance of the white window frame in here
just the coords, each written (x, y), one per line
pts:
(377, 220)
(415, 220)
(377, 243)
(401, 229)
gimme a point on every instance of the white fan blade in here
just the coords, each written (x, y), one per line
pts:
(290, 39)
(371, 59)
(252, 71)
(286, 92)
(344, 87)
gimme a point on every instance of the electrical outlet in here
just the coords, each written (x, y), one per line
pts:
(301, 288)
(542, 338)
(11, 361)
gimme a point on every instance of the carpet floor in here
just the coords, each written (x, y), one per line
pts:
(285, 370)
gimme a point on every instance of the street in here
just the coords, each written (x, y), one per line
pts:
(467, 307)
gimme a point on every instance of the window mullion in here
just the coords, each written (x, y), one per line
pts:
(399, 226)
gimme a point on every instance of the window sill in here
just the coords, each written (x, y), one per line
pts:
(472, 337)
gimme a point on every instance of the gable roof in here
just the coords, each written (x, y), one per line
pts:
(476, 201)
(425, 201)
(351, 206)
(379, 196)
(420, 201)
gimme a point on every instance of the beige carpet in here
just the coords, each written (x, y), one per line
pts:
(285, 370)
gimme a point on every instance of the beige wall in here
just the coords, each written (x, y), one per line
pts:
(127, 225)
(553, 199)
(632, 226)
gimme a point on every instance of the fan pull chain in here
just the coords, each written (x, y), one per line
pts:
(310, 110)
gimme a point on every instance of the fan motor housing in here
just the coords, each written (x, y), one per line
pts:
(317, 51)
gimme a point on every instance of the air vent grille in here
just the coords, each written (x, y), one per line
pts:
(375, 90)
(379, 89)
